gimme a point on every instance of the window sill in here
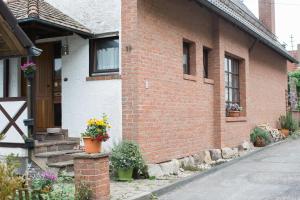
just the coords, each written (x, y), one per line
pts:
(209, 81)
(189, 77)
(236, 119)
(104, 77)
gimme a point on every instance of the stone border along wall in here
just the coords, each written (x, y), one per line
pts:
(202, 161)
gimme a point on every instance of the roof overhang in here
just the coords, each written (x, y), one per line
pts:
(246, 28)
(60, 29)
(13, 41)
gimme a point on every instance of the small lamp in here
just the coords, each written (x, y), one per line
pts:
(65, 48)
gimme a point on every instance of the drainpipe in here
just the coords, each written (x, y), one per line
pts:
(29, 122)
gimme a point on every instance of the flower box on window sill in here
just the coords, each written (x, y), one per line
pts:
(234, 114)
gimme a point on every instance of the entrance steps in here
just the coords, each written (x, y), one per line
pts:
(53, 151)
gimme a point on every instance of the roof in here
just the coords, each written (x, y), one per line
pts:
(236, 12)
(13, 41)
(41, 11)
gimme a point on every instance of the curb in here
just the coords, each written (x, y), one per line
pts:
(172, 186)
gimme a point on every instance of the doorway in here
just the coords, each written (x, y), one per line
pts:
(48, 87)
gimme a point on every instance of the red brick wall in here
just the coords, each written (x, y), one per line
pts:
(172, 115)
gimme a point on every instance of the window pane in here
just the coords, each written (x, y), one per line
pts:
(235, 81)
(186, 54)
(226, 64)
(226, 95)
(107, 54)
(230, 80)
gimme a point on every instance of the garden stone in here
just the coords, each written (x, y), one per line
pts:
(235, 152)
(203, 157)
(154, 170)
(176, 166)
(228, 153)
(245, 146)
(215, 154)
(167, 168)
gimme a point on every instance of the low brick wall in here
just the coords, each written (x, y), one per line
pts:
(93, 170)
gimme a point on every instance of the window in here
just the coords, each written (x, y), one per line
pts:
(232, 85)
(205, 62)
(186, 58)
(104, 55)
(189, 57)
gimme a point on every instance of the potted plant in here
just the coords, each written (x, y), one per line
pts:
(29, 69)
(126, 157)
(259, 137)
(287, 124)
(233, 110)
(96, 133)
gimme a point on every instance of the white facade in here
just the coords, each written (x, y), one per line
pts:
(82, 99)
(100, 16)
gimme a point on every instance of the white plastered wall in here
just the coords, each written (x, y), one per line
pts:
(82, 99)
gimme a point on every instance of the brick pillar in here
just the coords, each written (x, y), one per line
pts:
(93, 170)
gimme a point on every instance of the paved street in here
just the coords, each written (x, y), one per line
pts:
(273, 174)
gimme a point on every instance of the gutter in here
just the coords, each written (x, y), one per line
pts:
(247, 29)
(41, 21)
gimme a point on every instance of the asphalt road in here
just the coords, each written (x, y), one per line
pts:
(272, 174)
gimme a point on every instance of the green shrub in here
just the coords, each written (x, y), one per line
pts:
(287, 122)
(84, 192)
(127, 155)
(9, 180)
(259, 133)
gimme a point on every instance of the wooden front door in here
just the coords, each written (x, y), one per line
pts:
(43, 88)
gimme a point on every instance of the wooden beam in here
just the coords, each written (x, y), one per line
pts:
(6, 78)
(8, 36)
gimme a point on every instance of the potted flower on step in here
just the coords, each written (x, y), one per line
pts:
(126, 157)
(287, 124)
(233, 110)
(95, 134)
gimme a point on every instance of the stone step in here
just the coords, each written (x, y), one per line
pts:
(56, 156)
(51, 145)
(54, 131)
(67, 166)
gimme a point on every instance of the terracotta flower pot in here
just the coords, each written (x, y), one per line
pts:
(260, 142)
(285, 132)
(91, 145)
(233, 113)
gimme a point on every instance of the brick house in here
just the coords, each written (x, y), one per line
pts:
(163, 71)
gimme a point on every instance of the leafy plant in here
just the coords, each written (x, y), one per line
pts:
(84, 192)
(127, 155)
(259, 134)
(97, 129)
(287, 122)
(9, 180)
(44, 182)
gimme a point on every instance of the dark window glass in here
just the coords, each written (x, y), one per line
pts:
(105, 55)
(205, 62)
(186, 58)
(232, 86)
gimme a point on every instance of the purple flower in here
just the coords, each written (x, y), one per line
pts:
(49, 176)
